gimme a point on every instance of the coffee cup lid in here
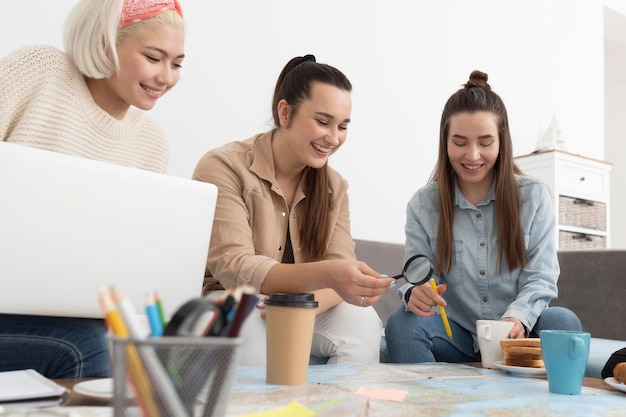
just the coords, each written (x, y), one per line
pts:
(306, 300)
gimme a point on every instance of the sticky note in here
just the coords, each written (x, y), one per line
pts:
(293, 409)
(395, 395)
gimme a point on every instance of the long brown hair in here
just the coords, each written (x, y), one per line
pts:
(294, 86)
(477, 96)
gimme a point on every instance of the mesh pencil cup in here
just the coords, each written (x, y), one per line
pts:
(173, 376)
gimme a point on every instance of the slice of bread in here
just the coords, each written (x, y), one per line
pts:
(513, 356)
(526, 363)
(619, 372)
(525, 352)
(526, 341)
(529, 350)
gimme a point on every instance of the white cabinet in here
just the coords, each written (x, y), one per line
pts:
(580, 191)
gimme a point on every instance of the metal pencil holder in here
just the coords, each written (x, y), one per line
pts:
(173, 376)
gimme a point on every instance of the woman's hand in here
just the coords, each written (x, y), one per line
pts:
(260, 305)
(518, 331)
(356, 282)
(423, 298)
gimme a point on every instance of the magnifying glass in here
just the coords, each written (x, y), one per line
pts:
(417, 270)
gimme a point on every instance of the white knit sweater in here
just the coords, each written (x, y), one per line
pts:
(45, 103)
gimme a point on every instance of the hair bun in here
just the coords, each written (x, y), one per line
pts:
(478, 79)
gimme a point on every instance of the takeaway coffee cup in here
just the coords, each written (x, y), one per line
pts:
(565, 355)
(489, 333)
(289, 322)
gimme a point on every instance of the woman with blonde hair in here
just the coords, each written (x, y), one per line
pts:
(120, 58)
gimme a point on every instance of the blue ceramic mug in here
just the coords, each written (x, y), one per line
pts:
(565, 355)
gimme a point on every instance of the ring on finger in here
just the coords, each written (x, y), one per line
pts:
(362, 299)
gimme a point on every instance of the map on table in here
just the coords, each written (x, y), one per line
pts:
(433, 389)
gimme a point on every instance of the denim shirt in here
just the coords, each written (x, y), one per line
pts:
(475, 288)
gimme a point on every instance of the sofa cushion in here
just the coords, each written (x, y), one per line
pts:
(600, 351)
(385, 258)
(593, 285)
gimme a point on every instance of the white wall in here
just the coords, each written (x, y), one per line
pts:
(615, 103)
(404, 59)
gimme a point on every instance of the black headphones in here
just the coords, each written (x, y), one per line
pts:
(192, 318)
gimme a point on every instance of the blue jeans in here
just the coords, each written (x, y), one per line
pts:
(414, 339)
(57, 347)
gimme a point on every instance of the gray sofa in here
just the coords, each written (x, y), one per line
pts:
(592, 284)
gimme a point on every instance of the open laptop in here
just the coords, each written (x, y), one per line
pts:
(70, 224)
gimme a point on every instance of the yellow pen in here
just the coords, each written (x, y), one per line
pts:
(444, 317)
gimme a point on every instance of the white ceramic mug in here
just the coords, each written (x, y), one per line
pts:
(489, 333)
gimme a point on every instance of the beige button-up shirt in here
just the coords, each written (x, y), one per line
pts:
(252, 215)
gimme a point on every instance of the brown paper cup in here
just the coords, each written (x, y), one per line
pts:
(289, 321)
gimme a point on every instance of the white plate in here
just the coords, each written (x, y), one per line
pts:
(615, 383)
(521, 370)
(96, 388)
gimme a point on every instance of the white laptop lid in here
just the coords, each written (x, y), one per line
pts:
(69, 224)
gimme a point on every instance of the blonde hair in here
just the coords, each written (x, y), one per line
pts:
(92, 34)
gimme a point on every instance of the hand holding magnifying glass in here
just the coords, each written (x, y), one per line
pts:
(417, 270)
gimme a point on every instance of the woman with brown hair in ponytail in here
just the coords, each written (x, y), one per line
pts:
(282, 221)
(490, 232)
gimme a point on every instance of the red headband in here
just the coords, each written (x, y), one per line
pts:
(137, 10)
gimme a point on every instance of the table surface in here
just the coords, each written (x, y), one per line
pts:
(77, 399)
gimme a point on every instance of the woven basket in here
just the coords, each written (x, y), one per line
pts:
(582, 213)
(571, 240)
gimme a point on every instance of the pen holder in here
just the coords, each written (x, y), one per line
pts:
(173, 376)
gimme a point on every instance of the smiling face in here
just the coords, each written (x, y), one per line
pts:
(473, 146)
(150, 65)
(317, 128)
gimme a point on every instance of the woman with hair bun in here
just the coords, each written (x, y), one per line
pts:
(490, 232)
(120, 58)
(282, 221)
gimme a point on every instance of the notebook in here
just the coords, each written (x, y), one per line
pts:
(70, 224)
(28, 388)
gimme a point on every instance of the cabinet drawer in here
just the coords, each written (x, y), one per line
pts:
(576, 180)
(571, 240)
(577, 212)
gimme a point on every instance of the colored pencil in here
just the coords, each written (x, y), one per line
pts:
(442, 311)
(161, 380)
(139, 383)
(156, 326)
(159, 304)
